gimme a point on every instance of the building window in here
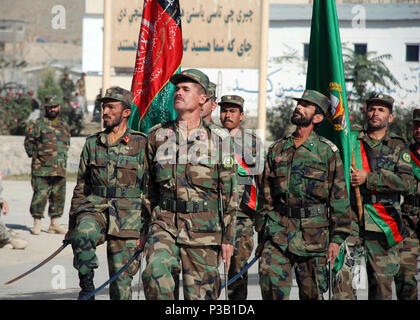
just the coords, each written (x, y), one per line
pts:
(360, 48)
(412, 53)
(305, 51)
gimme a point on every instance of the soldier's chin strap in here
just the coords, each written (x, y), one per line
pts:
(115, 276)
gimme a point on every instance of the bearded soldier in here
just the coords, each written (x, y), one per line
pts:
(107, 199)
(306, 213)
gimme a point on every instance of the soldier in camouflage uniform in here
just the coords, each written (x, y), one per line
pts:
(67, 86)
(386, 174)
(191, 162)
(249, 156)
(405, 280)
(210, 105)
(106, 203)
(47, 142)
(306, 212)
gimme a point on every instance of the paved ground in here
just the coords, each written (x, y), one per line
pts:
(57, 280)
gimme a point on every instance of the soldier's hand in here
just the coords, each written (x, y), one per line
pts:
(358, 177)
(227, 253)
(333, 251)
(141, 242)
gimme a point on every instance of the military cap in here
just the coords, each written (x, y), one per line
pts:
(315, 97)
(416, 115)
(211, 91)
(50, 101)
(239, 101)
(118, 94)
(380, 97)
(191, 75)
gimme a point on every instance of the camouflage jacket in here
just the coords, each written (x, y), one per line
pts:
(186, 176)
(390, 177)
(47, 142)
(306, 202)
(110, 180)
(250, 151)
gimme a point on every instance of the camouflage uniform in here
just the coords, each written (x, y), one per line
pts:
(5, 236)
(47, 142)
(390, 177)
(185, 229)
(248, 151)
(306, 207)
(106, 203)
(405, 280)
(67, 86)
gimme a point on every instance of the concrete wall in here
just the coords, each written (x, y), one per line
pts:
(14, 160)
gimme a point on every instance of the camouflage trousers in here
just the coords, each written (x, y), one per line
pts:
(166, 260)
(52, 189)
(275, 272)
(244, 243)
(344, 280)
(90, 232)
(405, 280)
(382, 265)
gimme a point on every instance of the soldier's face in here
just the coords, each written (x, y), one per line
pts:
(208, 107)
(378, 116)
(112, 113)
(303, 114)
(230, 116)
(188, 97)
(416, 131)
(52, 112)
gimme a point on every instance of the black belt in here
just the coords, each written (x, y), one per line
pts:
(115, 192)
(377, 198)
(306, 212)
(412, 201)
(189, 206)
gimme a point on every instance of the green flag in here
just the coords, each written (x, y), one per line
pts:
(326, 75)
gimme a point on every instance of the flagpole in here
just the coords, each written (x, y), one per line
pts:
(262, 86)
(106, 66)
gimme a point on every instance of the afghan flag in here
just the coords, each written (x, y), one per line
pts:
(250, 196)
(389, 220)
(326, 75)
(415, 163)
(159, 55)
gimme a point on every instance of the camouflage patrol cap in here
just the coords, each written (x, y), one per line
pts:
(211, 91)
(416, 115)
(50, 101)
(118, 94)
(191, 75)
(380, 97)
(315, 97)
(238, 100)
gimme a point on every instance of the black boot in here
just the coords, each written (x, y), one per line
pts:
(86, 284)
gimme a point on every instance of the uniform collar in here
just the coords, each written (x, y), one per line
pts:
(125, 138)
(308, 143)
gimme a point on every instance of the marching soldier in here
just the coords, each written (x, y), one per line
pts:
(248, 152)
(210, 105)
(47, 142)
(383, 173)
(405, 280)
(106, 203)
(191, 162)
(306, 212)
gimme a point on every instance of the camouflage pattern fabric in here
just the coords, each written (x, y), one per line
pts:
(250, 149)
(4, 233)
(67, 86)
(391, 175)
(107, 203)
(51, 189)
(275, 271)
(186, 173)
(47, 143)
(118, 94)
(166, 260)
(306, 181)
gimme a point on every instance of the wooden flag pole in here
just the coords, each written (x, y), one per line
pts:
(357, 193)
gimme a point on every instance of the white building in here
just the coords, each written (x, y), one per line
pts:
(385, 28)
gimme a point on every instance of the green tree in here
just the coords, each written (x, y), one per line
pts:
(365, 72)
(279, 117)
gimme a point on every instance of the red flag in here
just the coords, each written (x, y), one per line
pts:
(159, 56)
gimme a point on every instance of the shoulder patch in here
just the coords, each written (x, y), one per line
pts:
(332, 145)
(406, 157)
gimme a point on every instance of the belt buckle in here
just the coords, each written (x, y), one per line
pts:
(196, 207)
